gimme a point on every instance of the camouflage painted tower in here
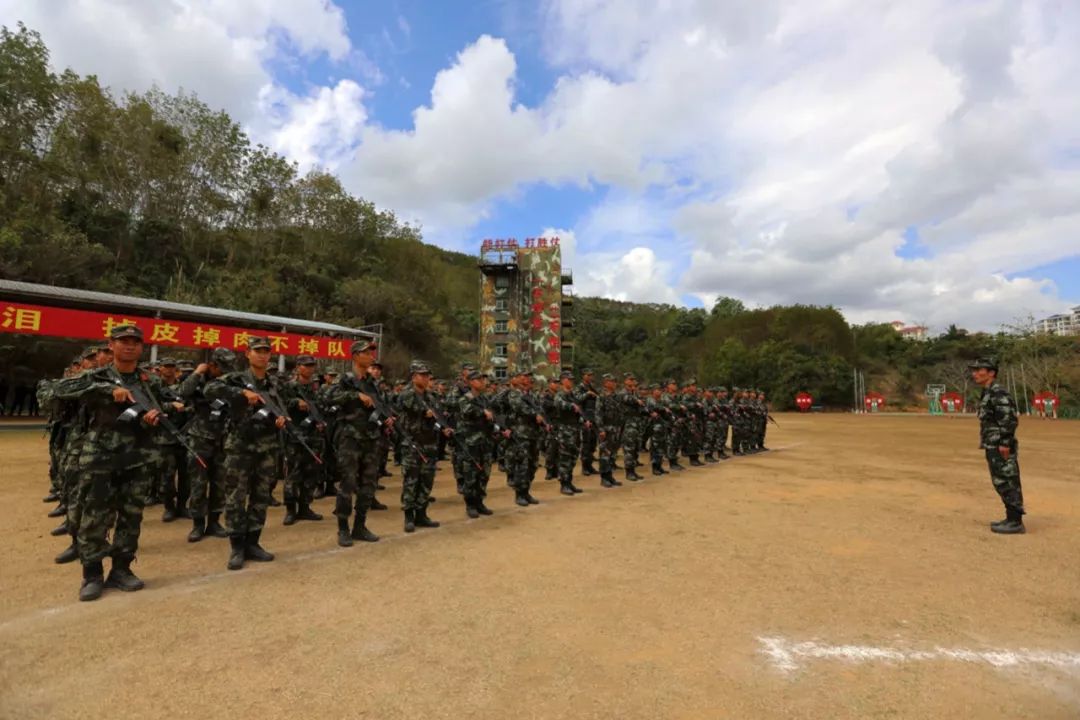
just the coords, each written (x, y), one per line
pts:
(525, 307)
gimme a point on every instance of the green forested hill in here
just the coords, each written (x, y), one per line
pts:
(160, 196)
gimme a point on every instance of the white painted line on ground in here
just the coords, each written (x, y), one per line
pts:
(787, 655)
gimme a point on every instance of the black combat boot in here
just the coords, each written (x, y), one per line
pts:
(93, 583)
(236, 552)
(605, 482)
(410, 521)
(61, 529)
(290, 513)
(121, 577)
(565, 487)
(614, 482)
(1013, 525)
(674, 465)
(254, 551)
(376, 505)
(531, 499)
(710, 458)
(632, 474)
(51, 497)
(343, 537)
(58, 511)
(170, 510)
(360, 531)
(470, 508)
(304, 512)
(214, 528)
(423, 521)
(656, 470)
(481, 507)
(521, 498)
(70, 554)
(694, 462)
(587, 469)
(198, 529)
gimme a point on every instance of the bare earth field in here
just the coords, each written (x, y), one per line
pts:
(850, 573)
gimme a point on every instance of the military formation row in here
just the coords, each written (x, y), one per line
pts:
(211, 441)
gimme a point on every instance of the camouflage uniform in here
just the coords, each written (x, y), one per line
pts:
(174, 486)
(523, 447)
(694, 422)
(658, 437)
(567, 420)
(116, 464)
(418, 472)
(474, 431)
(676, 428)
(252, 446)
(206, 433)
(998, 419)
(356, 447)
(610, 418)
(550, 441)
(634, 419)
(723, 422)
(303, 471)
(587, 399)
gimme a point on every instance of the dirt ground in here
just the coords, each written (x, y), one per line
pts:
(655, 600)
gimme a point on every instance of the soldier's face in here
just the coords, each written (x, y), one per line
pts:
(587, 378)
(421, 381)
(305, 372)
(126, 350)
(104, 357)
(478, 386)
(567, 383)
(362, 361)
(375, 372)
(982, 376)
(609, 385)
(168, 373)
(259, 358)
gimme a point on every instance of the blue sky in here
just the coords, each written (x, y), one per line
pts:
(918, 164)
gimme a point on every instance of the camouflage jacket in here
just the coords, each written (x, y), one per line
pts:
(112, 440)
(414, 407)
(205, 423)
(998, 417)
(610, 411)
(564, 413)
(249, 429)
(303, 420)
(521, 414)
(353, 417)
(472, 425)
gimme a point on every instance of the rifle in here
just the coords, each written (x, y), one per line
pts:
(535, 409)
(441, 423)
(772, 420)
(142, 405)
(383, 415)
(272, 411)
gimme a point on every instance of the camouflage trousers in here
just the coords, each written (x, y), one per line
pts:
(721, 436)
(302, 472)
(248, 475)
(608, 447)
(740, 436)
(522, 456)
(568, 437)
(589, 443)
(475, 479)
(418, 476)
(675, 440)
(711, 433)
(658, 444)
(1005, 475)
(631, 445)
(358, 475)
(207, 484)
(111, 501)
(551, 452)
(693, 436)
(175, 484)
(70, 483)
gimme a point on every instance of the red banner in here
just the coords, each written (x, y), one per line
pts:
(61, 322)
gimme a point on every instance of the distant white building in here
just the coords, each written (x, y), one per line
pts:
(910, 332)
(1061, 324)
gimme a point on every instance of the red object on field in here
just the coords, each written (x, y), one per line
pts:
(952, 402)
(1046, 403)
(874, 401)
(803, 401)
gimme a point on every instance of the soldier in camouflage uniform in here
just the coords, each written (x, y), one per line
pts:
(460, 387)
(419, 423)
(695, 422)
(550, 443)
(660, 424)
(739, 422)
(303, 470)
(527, 425)
(116, 461)
(175, 485)
(206, 433)
(586, 398)
(723, 422)
(356, 444)
(73, 425)
(676, 411)
(763, 421)
(635, 415)
(330, 412)
(252, 444)
(708, 402)
(998, 419)
(610, 419)
(475, 430)
(567, 418)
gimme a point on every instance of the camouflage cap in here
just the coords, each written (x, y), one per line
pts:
(256, 342)
(362, 346)
(984, 363)
(607, 376)
(476, 375)
(305, 360)
(377, 364)
(223, 357)
(126, 331)
(566, 374)
(539, 379)
(88, 353)
(185, 365)
(419, 367)
(689, 382)
(167, 362)
(467, 366)
(629, 376)
(331, 372)
(587, 371)
(721, 389)
(671, 381)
